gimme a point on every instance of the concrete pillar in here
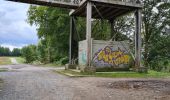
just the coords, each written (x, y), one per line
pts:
(88, 31)
(71, 39)
(138, 38)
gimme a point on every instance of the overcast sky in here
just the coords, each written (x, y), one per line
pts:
(14, 30)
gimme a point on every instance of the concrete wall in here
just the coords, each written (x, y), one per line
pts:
(82, 56)
(105, 54)
(110, 54)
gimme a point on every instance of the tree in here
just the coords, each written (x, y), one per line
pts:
(156, 18)
(4, 51)
(29, 53)
(16, 52)
(53, 30)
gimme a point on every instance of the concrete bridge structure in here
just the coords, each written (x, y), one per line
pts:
(97, 9)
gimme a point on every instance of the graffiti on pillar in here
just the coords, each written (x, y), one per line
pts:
(111, 57)
(82, 57)
(82, 52)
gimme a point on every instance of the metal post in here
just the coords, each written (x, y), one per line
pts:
(88, 31)
(138, 39)
(71, 39)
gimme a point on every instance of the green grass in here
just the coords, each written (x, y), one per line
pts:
(52, 65)
(5, 61)
(3, 69)
(150, 74)
(46, 65)
(65, 72)
(20, 60)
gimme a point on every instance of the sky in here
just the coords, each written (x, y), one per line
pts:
(15, 32)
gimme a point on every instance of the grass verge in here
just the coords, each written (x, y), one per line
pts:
(150, 74)
(5, 61)
(37, 63)
(71, 73)
(51, 65)
(3, 69)
(20, 60)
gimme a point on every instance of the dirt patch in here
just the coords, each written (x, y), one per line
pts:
(154, 85)
(139, 84)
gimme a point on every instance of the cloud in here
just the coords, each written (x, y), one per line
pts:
(14, 30)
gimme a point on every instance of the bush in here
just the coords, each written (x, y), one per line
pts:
(63, 61)
(29, 53)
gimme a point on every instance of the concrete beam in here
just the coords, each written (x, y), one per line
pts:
(51, 3)
(119, 2)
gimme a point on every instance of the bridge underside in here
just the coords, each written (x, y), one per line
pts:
(106, 9)
(51, 3)
(109, 10)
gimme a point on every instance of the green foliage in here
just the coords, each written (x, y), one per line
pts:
(53, 32)
(156, 20)
(4, 51)
(29, 53)
(159, 57)
(20, 60)
(16, 52)
(62, 61)
(120, 74)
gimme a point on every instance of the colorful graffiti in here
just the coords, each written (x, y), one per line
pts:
(107, 55)
(82, 52)
(82, 57)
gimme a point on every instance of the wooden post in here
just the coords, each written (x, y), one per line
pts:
(88, 31)
(138, 39)
(71, 39)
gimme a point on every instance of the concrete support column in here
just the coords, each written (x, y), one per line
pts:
(88, 31)
(71, 39)
(138, 39)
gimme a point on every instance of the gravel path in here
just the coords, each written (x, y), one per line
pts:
(14, 61)
(26, 82)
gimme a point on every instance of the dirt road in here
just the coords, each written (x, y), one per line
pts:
(26, 82)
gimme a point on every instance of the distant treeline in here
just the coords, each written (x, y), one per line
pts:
(4, 51)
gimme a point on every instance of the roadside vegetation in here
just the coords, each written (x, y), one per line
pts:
(126, 74)
(5, 61)
(20, 60)
(6, 55)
